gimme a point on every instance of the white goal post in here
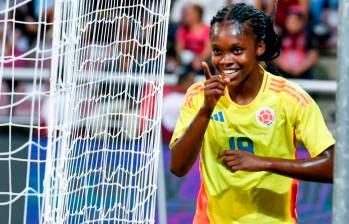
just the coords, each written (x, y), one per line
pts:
(90, 151)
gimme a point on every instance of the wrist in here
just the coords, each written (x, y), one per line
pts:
(206, 111)
(267, 164)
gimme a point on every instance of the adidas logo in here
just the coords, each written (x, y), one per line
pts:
(218, 116)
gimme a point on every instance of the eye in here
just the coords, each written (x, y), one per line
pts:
(237, 50)
(216, 51)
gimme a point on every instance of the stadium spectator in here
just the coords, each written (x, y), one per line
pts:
(15, 45)
(324, 19)
(281, 9)
(26, 14)
(210, 7)
(192, 38)
(244, 123)
(299, 51)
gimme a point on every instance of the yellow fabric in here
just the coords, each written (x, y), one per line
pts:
(254, 197)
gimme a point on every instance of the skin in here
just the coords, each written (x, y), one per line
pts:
(240, 52)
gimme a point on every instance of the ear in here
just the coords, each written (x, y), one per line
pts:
(260, 48)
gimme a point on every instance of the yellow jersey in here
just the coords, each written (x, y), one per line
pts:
(270, 126)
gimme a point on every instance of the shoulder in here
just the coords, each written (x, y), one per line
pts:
(288, 90)
(194, 92)
(196, 88)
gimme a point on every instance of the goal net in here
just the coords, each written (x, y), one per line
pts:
(80, 109)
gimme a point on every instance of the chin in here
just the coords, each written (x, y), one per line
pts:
(233, 83)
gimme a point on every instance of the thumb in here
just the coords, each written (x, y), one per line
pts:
(206, 69)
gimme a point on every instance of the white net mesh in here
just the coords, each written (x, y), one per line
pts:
(81, 91)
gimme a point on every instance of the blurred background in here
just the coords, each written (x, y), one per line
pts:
(309, 34)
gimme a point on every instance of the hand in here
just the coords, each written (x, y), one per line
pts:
(235, 160)
(214, 87)
(294, 71)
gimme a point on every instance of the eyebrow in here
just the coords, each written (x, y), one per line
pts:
(213, 45)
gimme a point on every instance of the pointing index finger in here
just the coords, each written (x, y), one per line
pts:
(207, 71)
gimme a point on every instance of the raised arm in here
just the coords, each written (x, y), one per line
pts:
(319, 168)
(187, 147)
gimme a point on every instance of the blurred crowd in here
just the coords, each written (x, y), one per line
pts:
(19, 31)
(23, 38)
(307, 28)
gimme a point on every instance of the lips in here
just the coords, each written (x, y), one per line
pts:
(230, 74)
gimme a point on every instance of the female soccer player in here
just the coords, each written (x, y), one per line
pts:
(244, 122)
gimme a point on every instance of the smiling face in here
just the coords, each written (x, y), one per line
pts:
(235, 52)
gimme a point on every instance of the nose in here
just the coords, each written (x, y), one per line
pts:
(227, 59)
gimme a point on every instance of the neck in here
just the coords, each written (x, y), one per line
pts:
(248, 89)
(195, 25)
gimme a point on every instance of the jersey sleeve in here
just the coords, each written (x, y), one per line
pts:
(311, 129)
(188, 111)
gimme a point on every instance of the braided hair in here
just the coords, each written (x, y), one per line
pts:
(261, 24)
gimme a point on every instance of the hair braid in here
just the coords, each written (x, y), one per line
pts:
(261, 24)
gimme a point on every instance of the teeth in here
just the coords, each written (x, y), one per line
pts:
(230, 71)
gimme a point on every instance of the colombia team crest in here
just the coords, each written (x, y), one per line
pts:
(265, 116)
